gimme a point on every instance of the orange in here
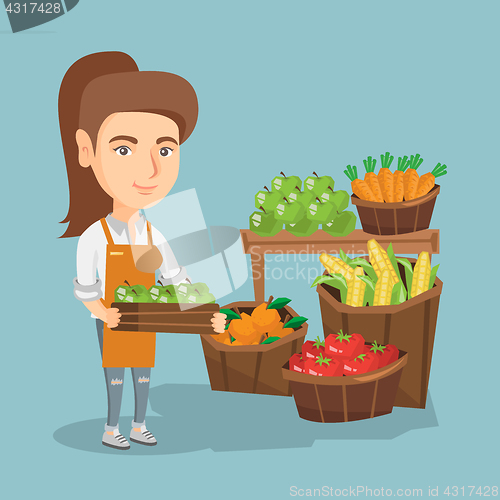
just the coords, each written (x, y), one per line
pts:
(279, 331)
(221, 337)
(265, 319)
(243, 329)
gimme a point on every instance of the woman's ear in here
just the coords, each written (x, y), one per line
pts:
(85, 148)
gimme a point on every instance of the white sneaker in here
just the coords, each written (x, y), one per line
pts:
(142, 437)
(115, 440)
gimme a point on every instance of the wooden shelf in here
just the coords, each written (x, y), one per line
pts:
(320, 241)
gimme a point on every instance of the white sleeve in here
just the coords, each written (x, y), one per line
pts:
(87, 287)
(171, 272)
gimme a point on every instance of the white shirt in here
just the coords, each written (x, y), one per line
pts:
(90, 282)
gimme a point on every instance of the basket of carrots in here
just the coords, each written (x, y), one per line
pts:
(394, 202)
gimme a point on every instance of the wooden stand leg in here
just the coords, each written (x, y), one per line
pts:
(259, 279)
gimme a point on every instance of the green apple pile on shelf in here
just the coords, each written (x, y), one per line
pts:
(184, 293)
(302, 211)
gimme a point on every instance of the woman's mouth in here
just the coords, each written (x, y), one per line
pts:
(144, 189)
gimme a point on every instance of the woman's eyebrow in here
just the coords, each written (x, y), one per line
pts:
(165, 139)
(128, 138)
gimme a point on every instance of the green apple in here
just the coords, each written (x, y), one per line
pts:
(339, 199)
(303, 197)
(188, 288)
(200, 298)
(169, 297)
(318, 185)
(289, 213)
(156, 290)
(342, 225)
(137, 293)
(264, 224)
(305, 227)
(267, 199)
(285, 185)
(321, 212)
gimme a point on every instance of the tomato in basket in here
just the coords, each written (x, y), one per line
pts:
(343, 346)
(363, 363)
(324, 367)
(386, 354)
(296, 363)
(312, 349)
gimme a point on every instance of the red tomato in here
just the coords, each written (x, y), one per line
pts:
(296, 363)
(343, 346)
(324, 367)
(312, 349)
(361, 364)
(385, 354)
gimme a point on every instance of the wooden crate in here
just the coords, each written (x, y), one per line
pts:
(167, 318)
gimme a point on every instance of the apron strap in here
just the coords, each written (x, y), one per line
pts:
(150, 237)
(106, 231)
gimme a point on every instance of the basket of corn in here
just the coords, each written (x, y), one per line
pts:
(259, 338)
(394, 202)
(389, 299)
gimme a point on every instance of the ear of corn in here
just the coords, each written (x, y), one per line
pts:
(383, 289)
(356, 289)
(380, 260)
(334, 265)
(421, 274)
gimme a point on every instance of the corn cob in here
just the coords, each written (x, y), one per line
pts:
(334, 265)
(421, 274)
(356, 289)
(383, 289)
(380, 260)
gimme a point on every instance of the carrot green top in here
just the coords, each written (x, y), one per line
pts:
(403, 163)
(386, 160)
(370, 164)
(415, 162)
(439, 170)
(351, 172)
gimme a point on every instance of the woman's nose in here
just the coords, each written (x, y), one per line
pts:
(155, 164)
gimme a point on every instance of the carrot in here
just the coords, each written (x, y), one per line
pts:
(359, 187)
(427, 181)
(410, 177)
(386, 179)
(372, 180)
(398, 179)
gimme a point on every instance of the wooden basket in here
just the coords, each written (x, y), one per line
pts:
(410, 326)
(252, 369)
(344, 399)
(167, 318)
(396, 218)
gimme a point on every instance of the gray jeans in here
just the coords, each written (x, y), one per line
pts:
(114, 385)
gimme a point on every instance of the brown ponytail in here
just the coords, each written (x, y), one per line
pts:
(87, 200)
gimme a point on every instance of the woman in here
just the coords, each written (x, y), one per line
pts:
(121, 130)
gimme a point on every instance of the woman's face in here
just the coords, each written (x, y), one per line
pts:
(136, 160)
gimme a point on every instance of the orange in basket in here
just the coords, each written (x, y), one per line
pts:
(265, 319)
(243, 330)
(279, 331)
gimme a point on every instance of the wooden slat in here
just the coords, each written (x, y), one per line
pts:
(320, 241)
(158, 307)
(124, 326)
(168, 318)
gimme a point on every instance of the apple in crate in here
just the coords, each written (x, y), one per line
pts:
(342, 225)
(317, 185)
(265, 224)
(305, 227)
(157, 290)
(200, 298)
(189, 288)
(135, 293)
(321, 212)
(289, 213)
(285, 185)
(302, 197)
(267, 199)
(170, 297)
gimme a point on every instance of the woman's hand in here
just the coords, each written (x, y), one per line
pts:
(112, 317)
(218, 322)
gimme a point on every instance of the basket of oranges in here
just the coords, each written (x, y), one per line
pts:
(258, 340)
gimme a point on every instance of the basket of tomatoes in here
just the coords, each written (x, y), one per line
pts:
(259, 338)
(344, 378)
(396, 202)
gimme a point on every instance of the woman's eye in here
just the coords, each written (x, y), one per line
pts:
(166, 152)
(123, 151)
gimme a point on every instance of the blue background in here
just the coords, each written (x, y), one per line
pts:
(290, 86)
